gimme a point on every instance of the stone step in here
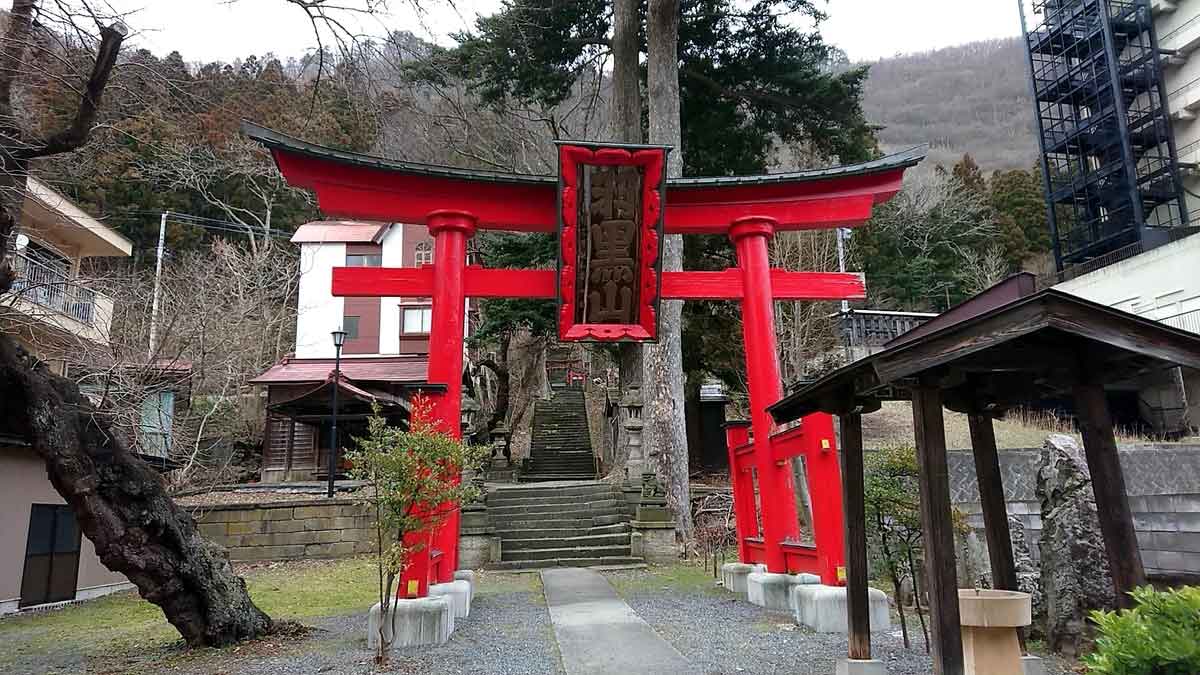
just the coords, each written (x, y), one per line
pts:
(580, 510)
(560, 467)
(554, 543)
(551, 522)
(583, 488)
(502, 498)
(566, 553)
(566, 454)
(539, 477)
(560, 473)
(533, 524)
(618, 562)
(562, 532)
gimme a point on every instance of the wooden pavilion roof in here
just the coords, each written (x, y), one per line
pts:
(1031, 349)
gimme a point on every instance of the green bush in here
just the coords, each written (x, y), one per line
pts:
(1160, 636)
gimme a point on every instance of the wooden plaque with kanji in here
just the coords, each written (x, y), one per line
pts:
(610, 233)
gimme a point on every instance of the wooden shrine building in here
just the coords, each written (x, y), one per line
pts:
(1006, 348)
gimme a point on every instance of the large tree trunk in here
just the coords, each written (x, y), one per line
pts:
(118, 500)
(503, 383)
(663, 362)
(626, 127)
(122, 507)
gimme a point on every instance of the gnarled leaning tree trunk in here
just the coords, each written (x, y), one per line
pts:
(118, 500)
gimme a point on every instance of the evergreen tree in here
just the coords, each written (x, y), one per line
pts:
(750, 79)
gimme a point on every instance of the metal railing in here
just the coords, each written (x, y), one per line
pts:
(51, 288)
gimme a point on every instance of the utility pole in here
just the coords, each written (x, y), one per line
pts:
(841, 236)
(162, 234)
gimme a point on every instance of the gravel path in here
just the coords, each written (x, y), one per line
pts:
(721, 634)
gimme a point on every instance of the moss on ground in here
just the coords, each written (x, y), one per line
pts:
(123, 624)
(684, 577)
(122, 633)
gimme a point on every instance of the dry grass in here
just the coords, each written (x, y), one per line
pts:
(1020, 429)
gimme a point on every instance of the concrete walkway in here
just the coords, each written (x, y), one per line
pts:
(598, 633)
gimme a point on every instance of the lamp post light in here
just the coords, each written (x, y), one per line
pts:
(339, 339)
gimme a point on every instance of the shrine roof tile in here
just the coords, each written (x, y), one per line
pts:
(407, 369)
(275, 140)
(339, 231)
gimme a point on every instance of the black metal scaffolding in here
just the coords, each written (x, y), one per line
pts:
(1108, 156)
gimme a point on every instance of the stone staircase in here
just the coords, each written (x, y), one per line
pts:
(571, 525)
(561, 446)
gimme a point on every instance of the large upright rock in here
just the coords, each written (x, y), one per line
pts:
(1028, 575)
(1075, 576)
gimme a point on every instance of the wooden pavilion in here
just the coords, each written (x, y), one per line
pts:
(1007, 347)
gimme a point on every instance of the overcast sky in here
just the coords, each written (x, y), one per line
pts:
(207, 30)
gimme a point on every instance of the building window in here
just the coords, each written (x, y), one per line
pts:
(423, 254)
(364, 260)
(350, 325)
(417, 320)
(51, 555)
(154, 432)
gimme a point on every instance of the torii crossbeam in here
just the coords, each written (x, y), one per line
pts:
(611, 207)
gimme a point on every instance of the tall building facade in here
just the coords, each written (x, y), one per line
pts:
(1117, 89)
(1102, 91)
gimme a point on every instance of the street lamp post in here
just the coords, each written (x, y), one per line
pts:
(339, 339)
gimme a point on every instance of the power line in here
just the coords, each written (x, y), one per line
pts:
(212, 224)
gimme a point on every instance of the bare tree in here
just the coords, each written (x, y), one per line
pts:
(206, 171)
(118, 500)
(981, 271)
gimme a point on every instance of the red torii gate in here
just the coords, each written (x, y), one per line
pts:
(454, 203)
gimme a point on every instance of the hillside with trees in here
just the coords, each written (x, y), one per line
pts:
(973, 98)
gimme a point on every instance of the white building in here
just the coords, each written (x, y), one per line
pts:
(54, 315)
(385, 356)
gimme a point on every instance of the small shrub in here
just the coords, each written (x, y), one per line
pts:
(1159, 636)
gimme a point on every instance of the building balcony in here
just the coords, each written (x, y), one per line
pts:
(1183, 39)
(1184, 102)
(50, 298)
(866, 331)
(1160, 7)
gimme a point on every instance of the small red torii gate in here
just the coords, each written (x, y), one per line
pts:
(455, 203)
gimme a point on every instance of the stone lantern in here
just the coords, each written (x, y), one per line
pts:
(631, 402)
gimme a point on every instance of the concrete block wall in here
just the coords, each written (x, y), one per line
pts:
(1163, 482)
(326, 528)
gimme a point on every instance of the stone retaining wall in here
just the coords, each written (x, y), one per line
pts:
(1163, 482)
(325, 528)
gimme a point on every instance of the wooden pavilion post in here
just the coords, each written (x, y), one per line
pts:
(991, 499)
(858, 614)
(1108, 484)
(937, 530)
(994, 506)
